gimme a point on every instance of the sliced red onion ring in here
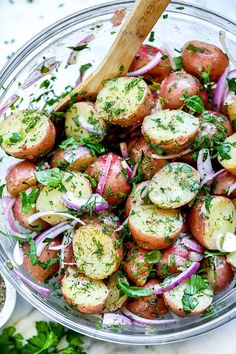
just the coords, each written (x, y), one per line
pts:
(155, 61)
(36, 287)
(114, 319)
(103, 178)
(94, 129)
(192, 244)
(145, 321)
(172, 156)
(135, 169)
(50, 233)
(18, 254)
(72, 154)
(40, 214)
(220, 92)
(128, 168)
(41, 70)
(232, 189)
(171, 283)
(210, 177)
(94, 201)
(8, 103)
(222, 37)
(124, 150)
(73, 55)
(204, 166)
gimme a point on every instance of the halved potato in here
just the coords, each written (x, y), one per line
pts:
(27, 134)
(138, 196)
(171, 131)
(79, 164)
(175, 185)
(116, 298)
(174, 298)
(83, 121)
(49, 198)
(231, 259)
(20, 177)
(95, 252)
(124, 101)
(211, 216)
(86, 295)
(154, 228)
(219, 273)
(228, 159)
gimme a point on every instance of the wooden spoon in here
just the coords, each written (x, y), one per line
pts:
(139, 23)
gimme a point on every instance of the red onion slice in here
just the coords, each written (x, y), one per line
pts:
(221, 91)
(135, 169)
(103, 179)
(18, 254)
(73, 55)
(192, 244)
(50, 233)
(128, 168)
(145, 321)
(43, 291)
(171, 283)
(124, 150)
(155, 61)
(172, 156)
(40, 214)
(72, 154)
(95, 202)
(210, 177)
(8, 103)
(204, 166)
(114, 319)
(43, 69)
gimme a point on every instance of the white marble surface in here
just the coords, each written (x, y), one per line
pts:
(20, 20)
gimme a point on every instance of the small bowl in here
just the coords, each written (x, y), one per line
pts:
(9, 304)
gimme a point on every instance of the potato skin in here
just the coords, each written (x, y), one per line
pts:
(20, 177)
(37, 272)
(144, 55)
(149, 307)
(116, 187)
(212, 60)
(135, 266)
(149, 165)
(23, 218)
(57, 160)
(222, 183)
(176, 85)
(220, 273)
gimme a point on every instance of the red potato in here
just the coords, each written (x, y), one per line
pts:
(27, 134)
(147, 53)
(200, 56)
(211, 216)
(154, 228)
(20, 177)
(178, 84)
(86, 295)
(142, 151)
(80, 164)
(222, 184)
(135, 266)
(116, 298)
(219, 273)
(116, 187)
(149, 307)
(229, 145)
(138, 196)
(37, 272)
(22, 217)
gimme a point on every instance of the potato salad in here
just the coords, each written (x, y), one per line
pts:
(126, 205)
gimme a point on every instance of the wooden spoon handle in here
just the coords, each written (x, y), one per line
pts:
(139, 23)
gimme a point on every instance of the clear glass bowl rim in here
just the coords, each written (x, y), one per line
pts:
(6, 71)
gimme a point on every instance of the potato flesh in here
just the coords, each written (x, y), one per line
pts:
(86, 113)
(154, 221)
(49, 198)
(230, 164)
(120, 98)
(173, 299)
(82, 290)
(220, 220)
(31, 134)
(174, 185)
(231, 259)
(170, 126)
(94, 252)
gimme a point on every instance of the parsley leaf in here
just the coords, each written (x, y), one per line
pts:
(193, 48)
(152, 37)
(152, 257)
(28, 199)
(232, 84)
(52, 177)
(132, 291)
(178, 63)
(1, 190)
(196, 284)
(84, 68)
(194, 104)
(79, 47)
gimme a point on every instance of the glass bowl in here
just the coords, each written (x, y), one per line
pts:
(184, 22)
